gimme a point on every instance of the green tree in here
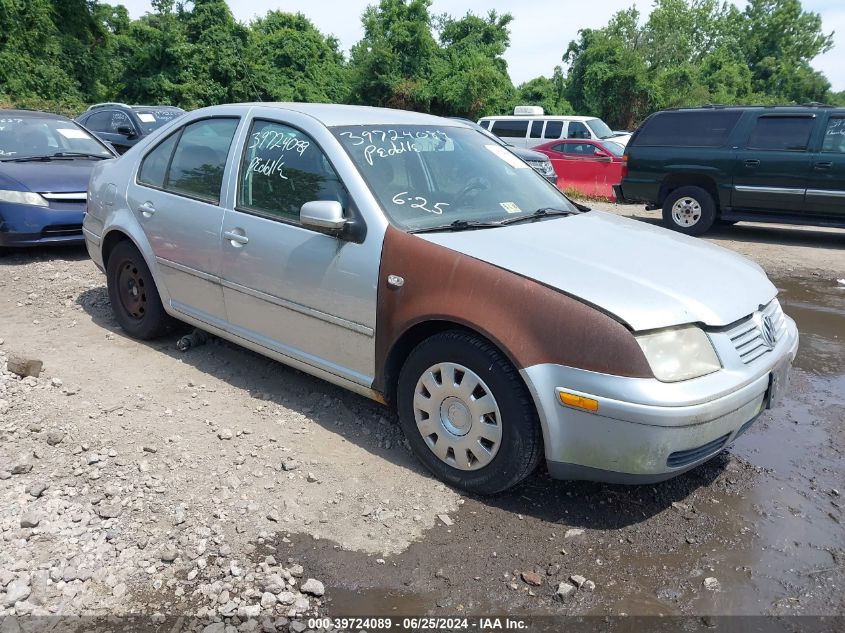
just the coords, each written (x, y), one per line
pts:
(472, 78)
(394, 63)
(290, 60)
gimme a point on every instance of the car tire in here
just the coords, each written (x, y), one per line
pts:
(484, 439)
(690, 210)
(133, 294)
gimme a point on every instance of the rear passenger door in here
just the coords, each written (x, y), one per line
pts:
(176, 200)
(826, 182)
(773, 163)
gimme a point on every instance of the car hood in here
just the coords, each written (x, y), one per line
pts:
(57, 176)
(646, 276)
(622, 140)
(528, 154)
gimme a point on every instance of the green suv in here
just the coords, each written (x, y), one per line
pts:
(726, 164)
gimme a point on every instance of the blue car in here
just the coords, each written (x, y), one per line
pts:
(45, 164)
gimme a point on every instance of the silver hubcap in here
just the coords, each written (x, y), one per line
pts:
(457, 416)
(686, 212)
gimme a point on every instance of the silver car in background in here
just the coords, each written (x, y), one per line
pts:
(412, 260)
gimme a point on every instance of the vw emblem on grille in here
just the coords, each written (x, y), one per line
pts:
(767, 330)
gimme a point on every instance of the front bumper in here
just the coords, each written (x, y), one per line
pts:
(26, 225)
(645, 430)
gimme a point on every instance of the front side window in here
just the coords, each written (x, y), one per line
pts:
(577, 129)
(834, 136)
(119, 120)
(781, 133)
(553, 129)
(99, 122)
(510, 128)
(282, 168)
(196, 169)
(429, 176)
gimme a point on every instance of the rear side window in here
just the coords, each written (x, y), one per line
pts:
(706, 128)
(781, 133)
(196, 169)
(536, 129)
(553, 129)
(509, 128)
(834, 136)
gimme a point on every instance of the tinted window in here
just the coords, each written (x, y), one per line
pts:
(485, 125)
(577, 129)
(99, 122)
(705, 128)
(197, 166)
(536, 129)
(282, 169)
(154, 166)
(553, 129)
(510, 128)
(153, 118)
(834, 136)
(781, 133)
(119, 120)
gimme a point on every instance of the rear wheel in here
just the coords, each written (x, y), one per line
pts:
(134, 297)
(689, 210)
(467, 414)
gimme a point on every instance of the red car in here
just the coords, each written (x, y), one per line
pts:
(590, 167)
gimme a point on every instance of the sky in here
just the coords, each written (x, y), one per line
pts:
(540, 32)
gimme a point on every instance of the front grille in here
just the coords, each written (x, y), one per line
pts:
(62, 230)
(748, 338)
(691, 455)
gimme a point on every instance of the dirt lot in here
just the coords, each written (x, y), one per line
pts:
(214, 483)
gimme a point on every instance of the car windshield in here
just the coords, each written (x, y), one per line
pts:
(614, 148)
(29, 136)
(153, 118)
(600, 128)
(431, 176)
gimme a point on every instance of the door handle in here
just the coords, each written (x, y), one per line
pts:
(236, 238)
(823, 166)
(752, 162)
(147, 210)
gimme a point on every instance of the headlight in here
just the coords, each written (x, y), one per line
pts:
(542, 166)
(23, 197)
(679, 353)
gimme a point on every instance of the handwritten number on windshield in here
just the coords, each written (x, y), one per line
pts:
(418, 202)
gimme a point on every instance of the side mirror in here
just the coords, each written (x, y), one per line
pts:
(126, 131)
(323, 215)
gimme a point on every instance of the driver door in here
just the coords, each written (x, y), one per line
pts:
(304, 294)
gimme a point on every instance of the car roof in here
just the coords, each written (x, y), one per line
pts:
(563, 117)
(32, 114)
(785, 109)
(332, 115)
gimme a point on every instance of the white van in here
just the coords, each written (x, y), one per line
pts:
(529, 126)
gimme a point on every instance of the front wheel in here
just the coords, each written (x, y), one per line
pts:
(467, 414)
(689, 210)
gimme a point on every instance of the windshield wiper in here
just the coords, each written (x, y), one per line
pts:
(545, 212)
(56, 156)
(79, 155)
(458, 225)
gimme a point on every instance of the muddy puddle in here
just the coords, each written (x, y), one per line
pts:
(764, 519)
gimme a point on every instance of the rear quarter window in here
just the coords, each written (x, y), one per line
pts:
(688, 129)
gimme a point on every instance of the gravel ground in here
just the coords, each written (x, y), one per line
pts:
(219, 485)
